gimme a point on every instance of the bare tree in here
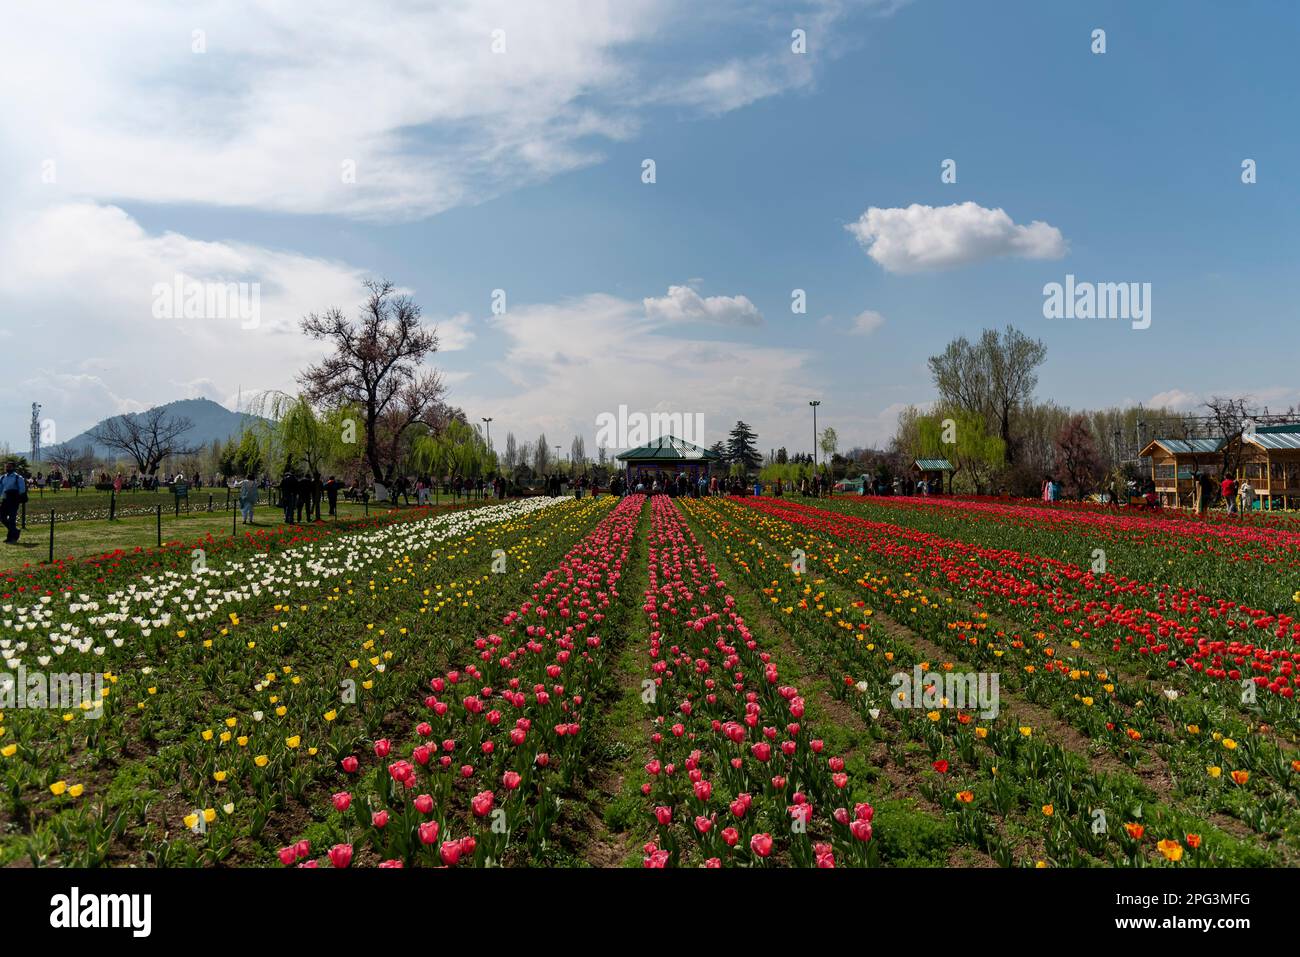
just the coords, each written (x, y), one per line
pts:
(147, 437)
(376, 368)
(511, 457)
(994, 377)
(69, 459)
(1229, 418)
(1078, 458)
(541, 455)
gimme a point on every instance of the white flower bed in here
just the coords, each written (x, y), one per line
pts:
(88, 624)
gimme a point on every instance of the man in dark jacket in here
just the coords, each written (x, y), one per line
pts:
(288, 491)
(332, 493)
(13, 492)
(302, 496)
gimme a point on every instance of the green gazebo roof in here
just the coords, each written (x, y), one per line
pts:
(934, 465)
(668, 448)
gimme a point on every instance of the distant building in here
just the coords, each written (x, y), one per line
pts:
(1269, 458)
(665, 458)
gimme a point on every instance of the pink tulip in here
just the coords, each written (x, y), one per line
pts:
(341, 855)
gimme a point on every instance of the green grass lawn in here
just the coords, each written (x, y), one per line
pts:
(77, 539)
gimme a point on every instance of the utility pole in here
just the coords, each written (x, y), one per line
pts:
(36, 433)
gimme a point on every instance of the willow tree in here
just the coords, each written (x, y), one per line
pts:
(293, 432)
(961, 437)
(458, 451)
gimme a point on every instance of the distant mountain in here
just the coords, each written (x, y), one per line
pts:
(210, 421)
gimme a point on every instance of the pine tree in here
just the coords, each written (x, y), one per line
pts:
(742, 447)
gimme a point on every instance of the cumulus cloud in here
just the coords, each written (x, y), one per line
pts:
(85, 277)
(568, 361)
(684, 304)
(867, 322)
(455, 334)
(921, 238)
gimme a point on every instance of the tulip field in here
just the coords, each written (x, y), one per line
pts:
(664, 682)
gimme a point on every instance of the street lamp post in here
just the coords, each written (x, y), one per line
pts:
(814, 403)
(488, 422)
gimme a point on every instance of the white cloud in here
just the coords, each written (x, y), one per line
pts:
(1178, 400)
(83, 275)
(867, 322)
(566, 362)
(920, 238)
(413, 95)
(455, 334)
(684, 304)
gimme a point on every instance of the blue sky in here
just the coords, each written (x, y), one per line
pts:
(521, 171)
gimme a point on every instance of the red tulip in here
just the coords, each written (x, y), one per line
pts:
(341, 855)
(761, 844)
(429, 832)
(449, 852)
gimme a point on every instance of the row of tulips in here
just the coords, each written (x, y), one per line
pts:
(1256, 566)
(736, 776)
(501, 733)
(1163, 627)
(249, 710)
(997, 778)
(1101, 703)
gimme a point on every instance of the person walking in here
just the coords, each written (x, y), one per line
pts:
(1205, 486)
(288, 492)
(332, 493)
(1228, 489)
(13, 492)
(247, 498)
(1247, 495)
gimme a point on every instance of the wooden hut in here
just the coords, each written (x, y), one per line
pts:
(1173, 463)
(933, 471)
(1270, 461)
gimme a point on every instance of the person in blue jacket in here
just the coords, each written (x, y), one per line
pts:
(13, 492)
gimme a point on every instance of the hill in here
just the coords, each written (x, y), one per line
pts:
(211, 421)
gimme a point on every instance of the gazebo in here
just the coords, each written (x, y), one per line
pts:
(665, 458)
(935, 469)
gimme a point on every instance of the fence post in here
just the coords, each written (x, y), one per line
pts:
(51, 536)
(24, 514)
(112, 505)
(159, 507)
(233, 532)
(209, 501)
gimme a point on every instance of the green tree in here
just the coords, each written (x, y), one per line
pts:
(742, 448)
(961, 437)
